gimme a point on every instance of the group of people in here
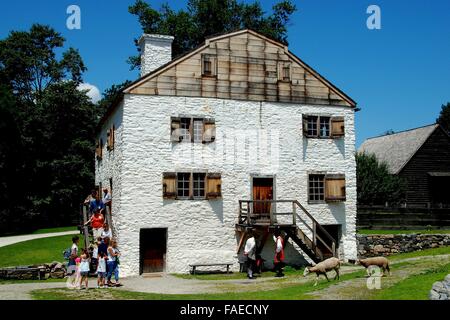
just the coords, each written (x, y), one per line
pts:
(251, 254)
(102, 261)
(102, 257)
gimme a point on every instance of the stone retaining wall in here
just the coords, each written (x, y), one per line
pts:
(441, 290)
(54, 270)
(387, 244)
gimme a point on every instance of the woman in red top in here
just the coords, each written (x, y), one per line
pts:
(97, 220)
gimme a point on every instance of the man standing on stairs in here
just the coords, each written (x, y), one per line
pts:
(250, 253)
(278, 260)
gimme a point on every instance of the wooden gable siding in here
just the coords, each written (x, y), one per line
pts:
(432, 156)
(247, 69)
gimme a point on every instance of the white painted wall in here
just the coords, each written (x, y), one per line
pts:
(156, 50)
(201, 230)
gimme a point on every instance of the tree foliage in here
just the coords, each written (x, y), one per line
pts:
(46, 126)
(375, 185)
(204, 18)
(444, 117)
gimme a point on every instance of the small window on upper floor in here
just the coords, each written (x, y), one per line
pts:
(209, 65)
(194, 130)
(323, 127)
(284, 71)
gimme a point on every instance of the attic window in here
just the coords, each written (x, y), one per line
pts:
(284, 71)
(323, 127)
(209, 65)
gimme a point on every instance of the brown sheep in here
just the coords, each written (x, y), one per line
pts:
(381, 262)
(323, 267)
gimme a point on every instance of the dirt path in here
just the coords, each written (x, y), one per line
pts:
(6, 241)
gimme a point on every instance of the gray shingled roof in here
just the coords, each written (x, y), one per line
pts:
(396, 149)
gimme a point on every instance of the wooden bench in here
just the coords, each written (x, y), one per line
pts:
(195, 265)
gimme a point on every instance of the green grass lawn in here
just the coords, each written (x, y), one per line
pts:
(416, 287)
(53, 230)
(420, 253)
(36, 251)
(369, 231)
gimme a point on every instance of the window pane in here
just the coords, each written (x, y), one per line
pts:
(183, 185)
(198, 130)
(199, 184)
(185, 126)
(324, 126)
(316, 187)
(312, 126)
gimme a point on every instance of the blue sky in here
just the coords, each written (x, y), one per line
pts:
(399, 75)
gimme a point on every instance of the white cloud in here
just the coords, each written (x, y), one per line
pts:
(93, 92)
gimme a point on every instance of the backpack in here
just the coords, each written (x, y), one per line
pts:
(67, 253)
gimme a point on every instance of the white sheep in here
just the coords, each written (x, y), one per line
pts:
(381, 262)
(323, 267)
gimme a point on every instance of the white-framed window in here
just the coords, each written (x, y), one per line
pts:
(324, 129)
(198, 130)
(185, 126)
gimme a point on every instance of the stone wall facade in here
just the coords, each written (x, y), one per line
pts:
(387, 244)
(202, 231)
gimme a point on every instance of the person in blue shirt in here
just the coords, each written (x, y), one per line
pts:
(96, 204)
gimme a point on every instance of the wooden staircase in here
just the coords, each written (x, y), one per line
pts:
(300, 226)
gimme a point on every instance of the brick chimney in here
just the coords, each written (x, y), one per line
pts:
(156, 50)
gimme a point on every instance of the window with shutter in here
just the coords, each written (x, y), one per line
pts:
(335, 187)
(169, 185)
(209, 132)
(99, 149)
(110, 138)
(337, 127)
(175, 132)
(213, 186)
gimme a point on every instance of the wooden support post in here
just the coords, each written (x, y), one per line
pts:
(248, 213)
(272, 222)
(333, 247)
(85, 228)
(314, 236)
(241, 242)
(294, 213)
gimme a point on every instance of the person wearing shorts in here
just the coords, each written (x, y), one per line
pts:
(101, 270)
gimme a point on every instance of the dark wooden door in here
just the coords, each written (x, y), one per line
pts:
(153, 244)
(262, 190)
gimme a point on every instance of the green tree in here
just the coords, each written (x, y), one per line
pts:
(444, 117)
(28, 61)
(204, 18)
(375, 185)
(48, 124)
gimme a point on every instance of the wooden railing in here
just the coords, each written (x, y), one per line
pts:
(85, 217)
(250, 217)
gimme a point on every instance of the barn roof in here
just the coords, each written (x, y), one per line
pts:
(397, 149)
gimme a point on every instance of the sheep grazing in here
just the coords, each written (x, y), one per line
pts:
(381, 262)
(323, 267)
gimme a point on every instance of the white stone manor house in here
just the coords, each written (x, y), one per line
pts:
(237, 134)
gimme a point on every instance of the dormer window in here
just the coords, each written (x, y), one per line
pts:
(209, 65)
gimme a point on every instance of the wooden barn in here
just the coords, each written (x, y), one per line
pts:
(422, 157)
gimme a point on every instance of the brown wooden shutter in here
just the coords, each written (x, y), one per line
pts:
(213, 186)
(175, 131)
(335, 187)
(169, 185)
(99, 149)
(209, 130)
(305, 125)
(110, 138)
(337, 127)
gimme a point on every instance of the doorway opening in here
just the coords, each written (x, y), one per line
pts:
(262, 190)
(153, 248)
(334, 230)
